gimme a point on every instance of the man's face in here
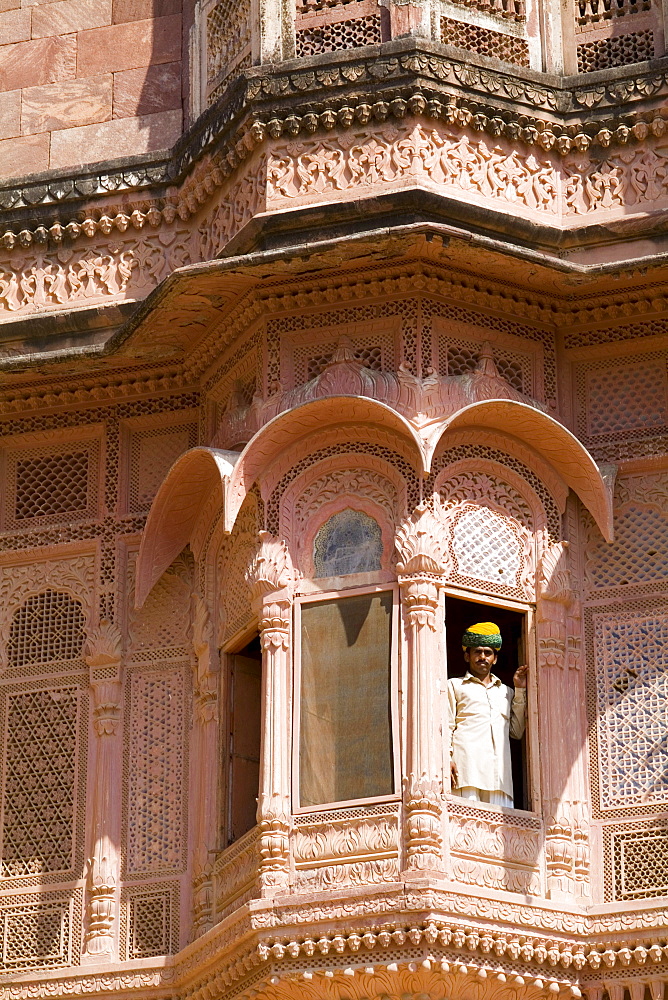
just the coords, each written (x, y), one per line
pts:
(480, 660)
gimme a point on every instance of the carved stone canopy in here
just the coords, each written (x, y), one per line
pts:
(206, 480)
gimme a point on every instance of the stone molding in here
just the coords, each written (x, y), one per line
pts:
(541, 951)
(550, 113)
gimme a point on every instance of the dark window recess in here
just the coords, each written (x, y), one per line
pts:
(244, 739)
(460, 615)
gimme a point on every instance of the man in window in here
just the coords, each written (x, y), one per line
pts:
(484, 713)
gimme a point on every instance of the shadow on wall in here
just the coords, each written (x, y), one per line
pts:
(158, 101)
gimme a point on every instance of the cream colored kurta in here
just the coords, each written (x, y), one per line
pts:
(481, 720)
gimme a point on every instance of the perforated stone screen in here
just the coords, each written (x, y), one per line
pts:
(38, 792)
(640, 861)
(631, 655)
(48, 626)
(625, 397)
(35, 935)
(150, 924)
(51, 485)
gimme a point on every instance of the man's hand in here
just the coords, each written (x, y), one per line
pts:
(454, 777)
(520, 676)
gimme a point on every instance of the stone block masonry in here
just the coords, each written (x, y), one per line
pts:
(82, 81)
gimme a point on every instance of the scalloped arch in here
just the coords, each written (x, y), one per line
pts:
(553, 442)
(300, 424)
(176, 508)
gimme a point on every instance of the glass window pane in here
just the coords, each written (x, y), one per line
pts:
(350, 542)
(345, 732)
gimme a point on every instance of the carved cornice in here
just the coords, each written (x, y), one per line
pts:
(538, 950)
(406, 77)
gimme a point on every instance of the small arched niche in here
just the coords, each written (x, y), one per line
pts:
(350, 541)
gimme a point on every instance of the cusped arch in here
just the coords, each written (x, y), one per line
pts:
(197, 479)
(301, 424)
(550, 439)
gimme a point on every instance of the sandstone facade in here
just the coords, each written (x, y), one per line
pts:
(326, 327)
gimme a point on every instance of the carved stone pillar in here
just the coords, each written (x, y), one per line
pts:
(103, 656)
(421, 568)
(411, 17)
(204, 755)
(561, 696)
(276, 22)
(271, 579)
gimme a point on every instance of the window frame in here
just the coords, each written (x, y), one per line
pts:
(528, 611)
(332, 595)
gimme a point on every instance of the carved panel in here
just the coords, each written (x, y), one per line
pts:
(493, 849)
(228, 34)
(236, 552)
(160, 627)
(350, 33)
(620, 50)
(41, 744)
(347, 847)
(47, 628)
(74, 576)
(452, 158)
(490, 532)
(637, 557)
(235, 874)
(150, 921)
(39, 931)
(150, 446)
(155, 804)
(622, 405)
(120, 268)
(487, 42)
(636, 860)
(631, 684)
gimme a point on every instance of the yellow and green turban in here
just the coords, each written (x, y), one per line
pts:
(482, 634)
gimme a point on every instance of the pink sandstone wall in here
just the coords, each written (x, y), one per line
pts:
(87, 80)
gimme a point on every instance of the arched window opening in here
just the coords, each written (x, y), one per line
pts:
(346, 734)
(349, 542)
(243, 738)
(460, 615)
(48, 626)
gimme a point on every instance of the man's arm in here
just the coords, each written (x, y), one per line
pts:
(519, 706)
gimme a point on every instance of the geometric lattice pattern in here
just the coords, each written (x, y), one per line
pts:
(638, 554)
(640, 862)
(150, 924)
(39, 782)
(48, 626)
(631, 700)
(163, 620)
(370, 357)
(350, 34)
(51, 484)
(155, 790)
(152, 454)
(462, 357)
(486, 547)
(373, 350)
(35, 935)
(634, 47)
(627, 398)
(496, 44)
